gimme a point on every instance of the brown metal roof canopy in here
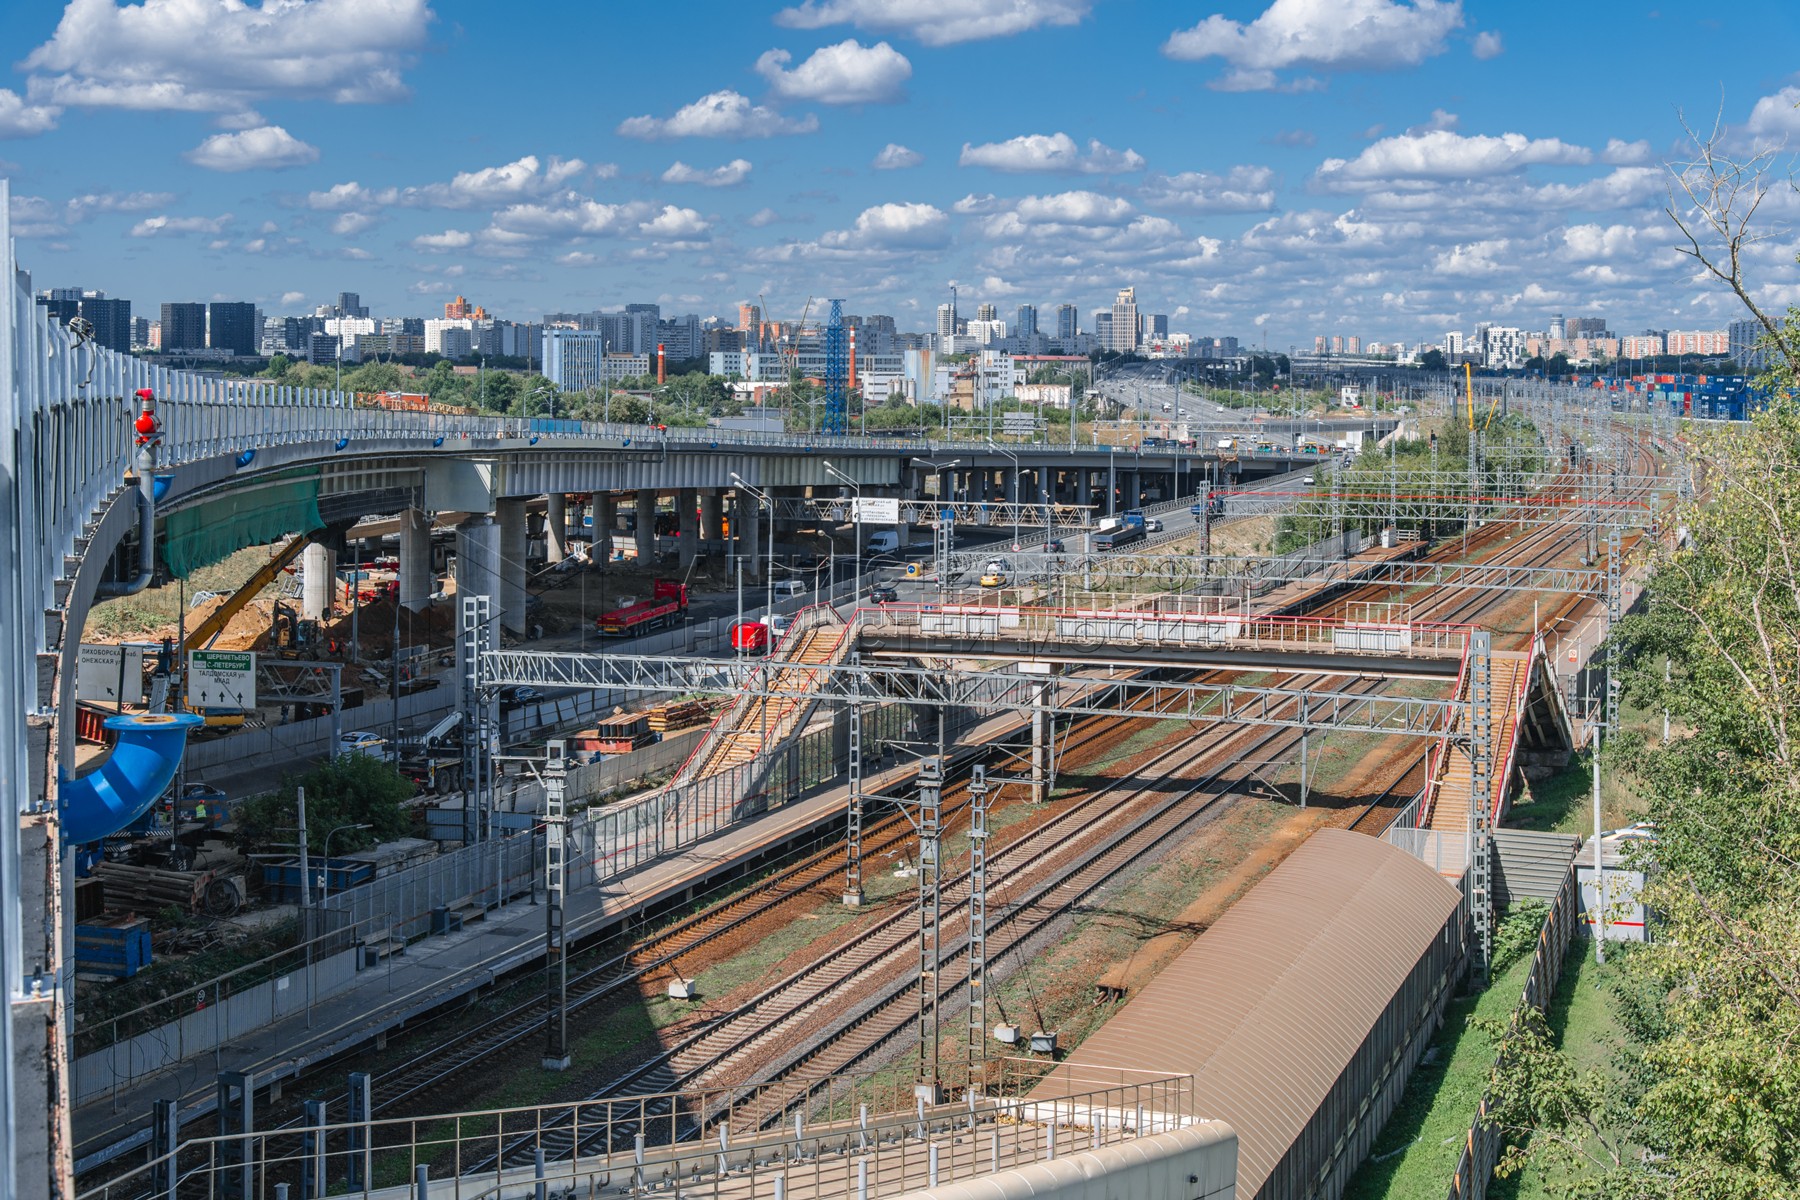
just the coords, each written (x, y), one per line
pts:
(1288, 1011)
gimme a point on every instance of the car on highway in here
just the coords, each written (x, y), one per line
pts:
(1309, 481)
(1152, 525)
(372, 744)
(996, 573)
(512, 697)
(883, 593)
(1053, 546)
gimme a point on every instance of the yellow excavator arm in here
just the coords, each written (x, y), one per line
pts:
(201, 635)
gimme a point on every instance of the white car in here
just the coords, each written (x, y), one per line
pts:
(372, 744)
(1152, 525)
(1309, 481)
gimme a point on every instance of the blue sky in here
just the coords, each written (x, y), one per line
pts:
(1386, 168)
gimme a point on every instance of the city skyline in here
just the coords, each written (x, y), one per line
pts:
(1270, 172)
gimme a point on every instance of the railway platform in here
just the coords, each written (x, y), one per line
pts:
(442, 970)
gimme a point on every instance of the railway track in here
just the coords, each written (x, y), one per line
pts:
(1066, 858)
(689, 935)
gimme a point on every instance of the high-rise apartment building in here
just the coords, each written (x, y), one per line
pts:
(1122, 334)
(1337, 343)
(183, 327)
(749, 317)
(1586, 327)
(1068, 322)
(984, 312)
(1558, 330)
(232, 325)
(349, 304)
(1742, 338)
(1025, 321)
(460, 309)
(946, 320)
(110, 319)
(1156, 327)
(1353, 345)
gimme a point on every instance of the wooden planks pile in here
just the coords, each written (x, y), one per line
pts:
(685, 714)
(149, 890)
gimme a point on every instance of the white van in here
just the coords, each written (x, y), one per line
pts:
(785, 588)
(884, 542)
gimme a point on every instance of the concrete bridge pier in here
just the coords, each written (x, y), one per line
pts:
(606, 519)
(318, 581)
(687, 505)
(646, 527)
(556, 527)
(712, 513)
(416, 581)
(749, 520)
(478, 574)
(1084, 486)
(514, 544)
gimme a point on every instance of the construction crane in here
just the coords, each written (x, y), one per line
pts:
(837, 404)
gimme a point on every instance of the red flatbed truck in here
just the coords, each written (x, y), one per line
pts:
(666, 606)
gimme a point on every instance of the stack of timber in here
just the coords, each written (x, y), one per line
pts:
(217, 891)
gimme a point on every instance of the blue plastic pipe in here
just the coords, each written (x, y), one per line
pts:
(146, 750)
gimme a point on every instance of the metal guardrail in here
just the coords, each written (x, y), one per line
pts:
(855, 1137)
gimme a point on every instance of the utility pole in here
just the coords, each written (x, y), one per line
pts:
(556, 959)
(978, 835)
(929, 824)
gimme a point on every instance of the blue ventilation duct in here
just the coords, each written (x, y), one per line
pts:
(146, 751)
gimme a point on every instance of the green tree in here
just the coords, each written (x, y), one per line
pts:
(1433, 360)
(375, 377)
(351, 789)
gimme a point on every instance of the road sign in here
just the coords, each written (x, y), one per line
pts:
(877, 510)
(221, 679)
(1021, 424)
(110, 674)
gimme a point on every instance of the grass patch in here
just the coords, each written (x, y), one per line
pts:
(1584, 1018)
(158, 607)
(1564, 803)
(1416, 1154)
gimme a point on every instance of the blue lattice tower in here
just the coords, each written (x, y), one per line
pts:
(837, 372)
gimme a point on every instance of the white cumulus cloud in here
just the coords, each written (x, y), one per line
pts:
(1488, 44)
(894, 227)
(1623, 153)
(1442, 154)
(847, 73)
(718, 114)
(1056, 152)
(267, 148)
(732, 173)
(1240, 190)
(292, 297)
(351, 223)
(1324, 34)
(178, 226)
(450, 239)
(673, 222)
(19, 119)
(195, 56)
(486, 187)
(937, 22)
(895, 157)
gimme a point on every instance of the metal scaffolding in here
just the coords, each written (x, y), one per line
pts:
(837, 405)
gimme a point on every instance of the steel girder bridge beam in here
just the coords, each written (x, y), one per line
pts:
(985, 687)
(1378, 505)
(1179, 572)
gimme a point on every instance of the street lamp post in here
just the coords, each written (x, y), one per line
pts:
(941, 541)
(995, 446)
(856, 550)
(325, 873)
(762, 499)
